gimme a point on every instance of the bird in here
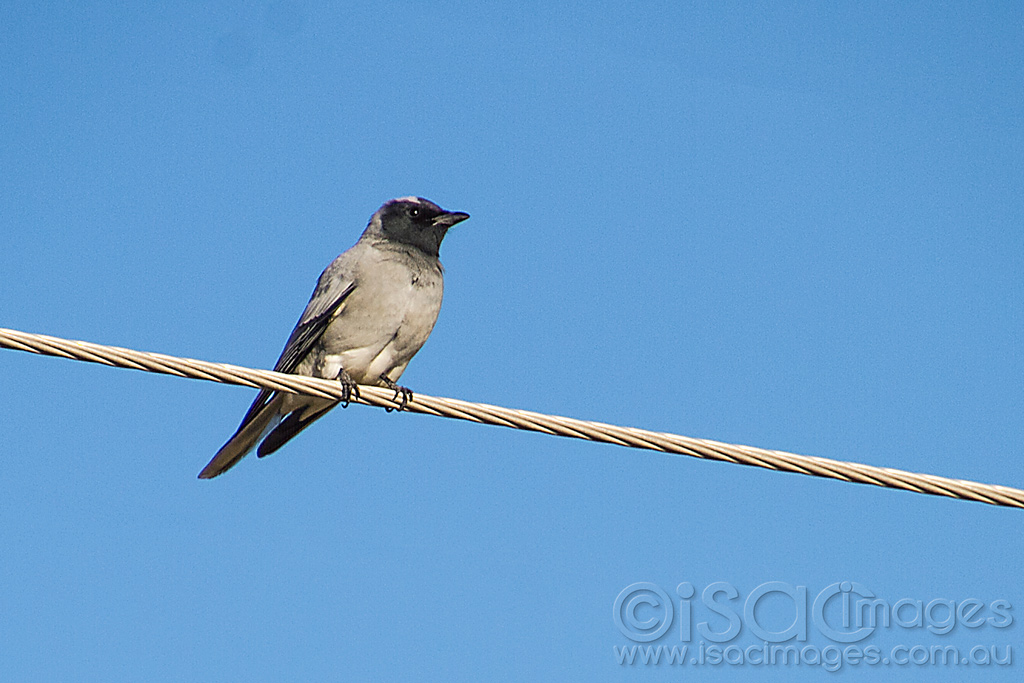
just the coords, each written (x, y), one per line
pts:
(372, 309)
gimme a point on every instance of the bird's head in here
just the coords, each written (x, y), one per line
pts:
(414, 221)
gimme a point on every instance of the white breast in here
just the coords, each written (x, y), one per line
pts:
(384, 323)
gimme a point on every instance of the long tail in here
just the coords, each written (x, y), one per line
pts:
(245, 439)
(290, 427)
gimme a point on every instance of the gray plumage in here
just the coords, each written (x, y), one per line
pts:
(371, 311)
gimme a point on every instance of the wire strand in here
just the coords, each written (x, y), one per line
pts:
(518, 419)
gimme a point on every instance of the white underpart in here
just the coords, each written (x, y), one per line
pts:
(407, 315)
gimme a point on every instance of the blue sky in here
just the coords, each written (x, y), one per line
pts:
(793, 226)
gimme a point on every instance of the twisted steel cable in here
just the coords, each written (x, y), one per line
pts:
(518, 419)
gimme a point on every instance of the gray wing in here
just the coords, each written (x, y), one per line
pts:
(335, 285)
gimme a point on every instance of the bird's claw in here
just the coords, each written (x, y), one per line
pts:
(349, 389)
(404, 392)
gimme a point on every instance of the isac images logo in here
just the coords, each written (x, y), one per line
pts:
(783, 621)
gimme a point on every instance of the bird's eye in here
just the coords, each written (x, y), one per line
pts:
(414, 212)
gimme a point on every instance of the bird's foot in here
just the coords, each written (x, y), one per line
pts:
(404, 392)
(349, 388)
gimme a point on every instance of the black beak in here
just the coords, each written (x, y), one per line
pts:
(450, 218)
